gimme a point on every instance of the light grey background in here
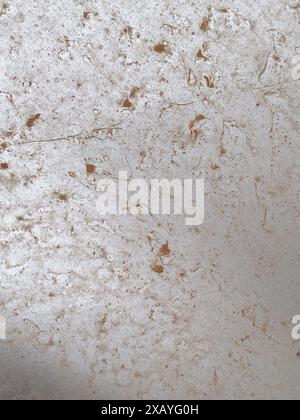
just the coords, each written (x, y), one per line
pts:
(87, 317)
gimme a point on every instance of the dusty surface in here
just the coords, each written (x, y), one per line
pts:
(144, 307)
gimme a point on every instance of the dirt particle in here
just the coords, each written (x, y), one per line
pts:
(162, 48)
(90, 169)
(4, 166)
(158, 268)
(298, 354)
(72, 174)
(33, 120)
(3, 146)
(165, 250)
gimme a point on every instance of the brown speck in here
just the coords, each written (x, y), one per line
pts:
(127, 104)
(192, 80)
(129, 31)
(87, 14)
(61, 196)
(200, 55)
(72, 174)
(7, 134)
(204, 24)
(158, 268)
(4, 166)
(195, 134)
(164, 250)
(90, 169)
(215, 167)
(243, 339)
(195, 120)
(134, 92)
(216, 378)
(298, 354)
(161, 48)
(209, 81)
(223, 151)
(276, 57)
(3, 146)
(32, 120)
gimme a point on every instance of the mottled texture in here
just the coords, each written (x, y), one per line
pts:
(145, 307)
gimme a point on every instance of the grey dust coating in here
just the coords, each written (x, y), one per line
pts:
(146, 307)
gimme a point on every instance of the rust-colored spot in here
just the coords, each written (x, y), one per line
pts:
(204, 24)
(164, 250)
(158, 268)
(192, 80)
(3, 146)
(222, 151)
(90, 168)
(129, 31)
(195, 120)
(61, 196)
(195, 134)
(298, 354)
(32, 120)
(215, 167)
(161, 48)
(134, 92)
(4, 166)
(87, 14)
(200, 55)
(127, 104)
(209, 81)
(7, 134)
